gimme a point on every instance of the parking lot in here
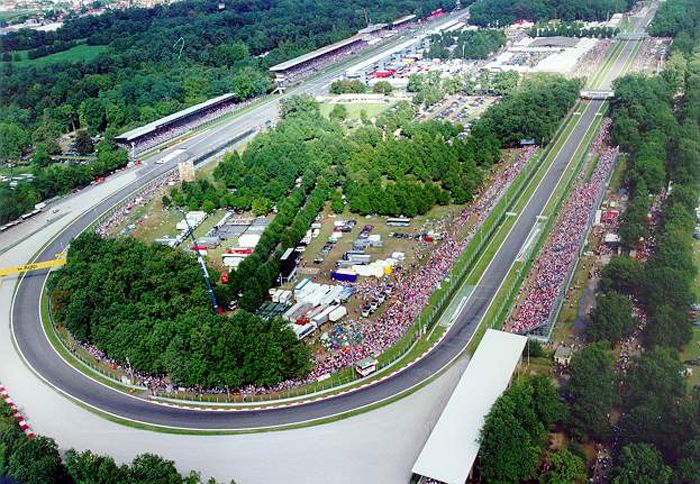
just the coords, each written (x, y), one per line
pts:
(458, 108)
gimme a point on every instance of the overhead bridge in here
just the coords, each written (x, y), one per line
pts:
(597, 95)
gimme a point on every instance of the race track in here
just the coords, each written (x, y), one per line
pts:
(40, 355)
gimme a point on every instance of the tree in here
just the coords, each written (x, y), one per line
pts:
(622, 274)
(641, 464)
(564, 467)
(83, 143)
(93, 116)
(514, 430)
(669, 326)
(658, 410)
(611, 319)
(13, 141)
(338, 113)
(382, 87)
(88, 468)
(688, 466)
(35, 461)
(262, 206)
(153, 469)
(40, 156)
(347, 87)
(593, 391)
(298, 105)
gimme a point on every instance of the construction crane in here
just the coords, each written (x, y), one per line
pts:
(34, 266)
(200, 259)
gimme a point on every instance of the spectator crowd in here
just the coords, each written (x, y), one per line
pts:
(551, 268)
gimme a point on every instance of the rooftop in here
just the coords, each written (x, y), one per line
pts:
(314, 54)
(152, 126)
(453, 445)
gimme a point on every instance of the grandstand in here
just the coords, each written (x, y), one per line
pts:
(152, 134)
(359, 71)
(285, 70)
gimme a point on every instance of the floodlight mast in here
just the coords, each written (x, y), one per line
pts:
(200, 259)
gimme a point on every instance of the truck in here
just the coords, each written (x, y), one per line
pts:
(344, 275)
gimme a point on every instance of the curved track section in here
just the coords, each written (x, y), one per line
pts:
(43, 359)
(39, 353)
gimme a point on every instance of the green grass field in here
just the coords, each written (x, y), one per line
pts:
(354, 109)
(79, 53)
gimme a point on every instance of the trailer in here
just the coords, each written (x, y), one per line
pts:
(338, 313)
(344, 275)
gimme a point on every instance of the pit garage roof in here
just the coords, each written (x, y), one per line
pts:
(364, 65)
(314, 54)
(449, 453)
(152, 126)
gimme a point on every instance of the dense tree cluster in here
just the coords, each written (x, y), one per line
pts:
(661, 133)
(505, 12)
(148, 304)
(592, 391)
(611, 319)
(347, 87)
(514, 432)
(37, 461)
(533, 111)
(411, 173)
(660, 423)
(468, 44)
(679, 19)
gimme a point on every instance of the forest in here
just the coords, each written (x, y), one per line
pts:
(307, 160)
(533, 111)
(378, 173)
(679, 19)
(657, 437)
(505, 12)
(148, 305)
(147, 72)
(468, 44)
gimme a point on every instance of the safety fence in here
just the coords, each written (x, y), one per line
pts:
(545, 330)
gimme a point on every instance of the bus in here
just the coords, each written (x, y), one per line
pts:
(398, 222)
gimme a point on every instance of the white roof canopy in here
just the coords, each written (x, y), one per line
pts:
(449, 453)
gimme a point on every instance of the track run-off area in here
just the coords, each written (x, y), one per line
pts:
(38, 353)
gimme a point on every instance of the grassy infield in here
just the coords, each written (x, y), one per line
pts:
(473, 262)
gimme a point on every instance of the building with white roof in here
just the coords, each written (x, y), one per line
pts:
(453, 445)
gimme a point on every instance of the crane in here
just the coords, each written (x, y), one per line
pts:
(200, 259)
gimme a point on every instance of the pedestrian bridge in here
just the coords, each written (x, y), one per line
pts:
(597, 95)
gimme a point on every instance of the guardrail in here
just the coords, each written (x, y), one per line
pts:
(546, 329)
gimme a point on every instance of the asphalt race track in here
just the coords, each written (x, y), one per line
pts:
(38, 352)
